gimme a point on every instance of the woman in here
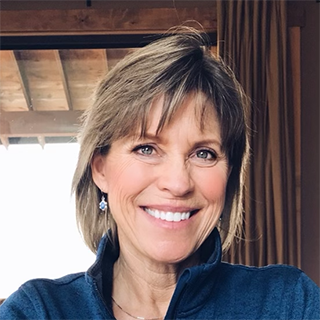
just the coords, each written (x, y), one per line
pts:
(158, 196)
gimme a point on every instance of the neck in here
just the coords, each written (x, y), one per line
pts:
(139, 284)
(132, 316)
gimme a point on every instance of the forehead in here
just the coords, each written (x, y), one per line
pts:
(195, 108)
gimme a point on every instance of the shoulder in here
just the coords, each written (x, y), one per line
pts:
(53, 287)
(67, 279)
(278, 288)
(272, 275)
(272, 269)
(36, 298)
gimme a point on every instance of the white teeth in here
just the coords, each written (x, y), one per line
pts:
(157, 214)
(168, 216)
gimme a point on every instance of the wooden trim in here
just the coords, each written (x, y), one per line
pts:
(39, 123)
(94, 41)
(105, 21)
(115, 21)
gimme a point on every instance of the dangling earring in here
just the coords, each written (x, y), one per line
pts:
(103, 205)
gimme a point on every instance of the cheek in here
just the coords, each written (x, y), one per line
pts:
(213, 184)
(127, 179)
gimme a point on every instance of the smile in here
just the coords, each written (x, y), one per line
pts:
(168, 216)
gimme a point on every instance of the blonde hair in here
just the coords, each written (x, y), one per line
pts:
(174, 67)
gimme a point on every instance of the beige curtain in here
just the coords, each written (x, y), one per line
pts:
(253, 39)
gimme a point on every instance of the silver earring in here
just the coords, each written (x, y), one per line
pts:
(103, 205)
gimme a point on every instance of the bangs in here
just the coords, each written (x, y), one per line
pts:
(170, 104)
(186, 77)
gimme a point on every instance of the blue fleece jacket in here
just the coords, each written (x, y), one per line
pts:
(212, 290)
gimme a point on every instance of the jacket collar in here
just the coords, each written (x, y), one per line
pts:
(196, 283)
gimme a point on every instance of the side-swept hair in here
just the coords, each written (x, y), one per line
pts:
(177, 65)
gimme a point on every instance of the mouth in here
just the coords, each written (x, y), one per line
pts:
(169, 215)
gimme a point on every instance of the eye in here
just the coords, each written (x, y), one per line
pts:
(144, 150)
(205, 154)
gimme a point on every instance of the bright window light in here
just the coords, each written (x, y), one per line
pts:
(38, 232)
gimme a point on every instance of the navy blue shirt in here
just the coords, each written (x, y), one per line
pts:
(212, 290)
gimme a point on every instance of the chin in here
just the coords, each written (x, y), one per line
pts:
(168, 255)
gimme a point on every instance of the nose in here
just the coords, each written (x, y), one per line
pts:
(175, 177)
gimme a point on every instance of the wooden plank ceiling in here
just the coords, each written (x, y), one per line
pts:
(43, 92)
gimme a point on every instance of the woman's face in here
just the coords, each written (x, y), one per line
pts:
(166, 191)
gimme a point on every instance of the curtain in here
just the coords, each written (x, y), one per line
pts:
(253, 39)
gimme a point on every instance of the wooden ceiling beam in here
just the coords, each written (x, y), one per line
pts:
(42, 141)
(5, 141)
(63, 79)
(108, 20)
(105, 60)
(39, 123)
(23, 79)
(124, 21)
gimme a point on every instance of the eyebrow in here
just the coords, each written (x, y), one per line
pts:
(208, 142)
(158, 139)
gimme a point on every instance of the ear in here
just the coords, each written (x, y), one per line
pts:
(98, 172)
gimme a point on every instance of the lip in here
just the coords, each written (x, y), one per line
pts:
(170, 208)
